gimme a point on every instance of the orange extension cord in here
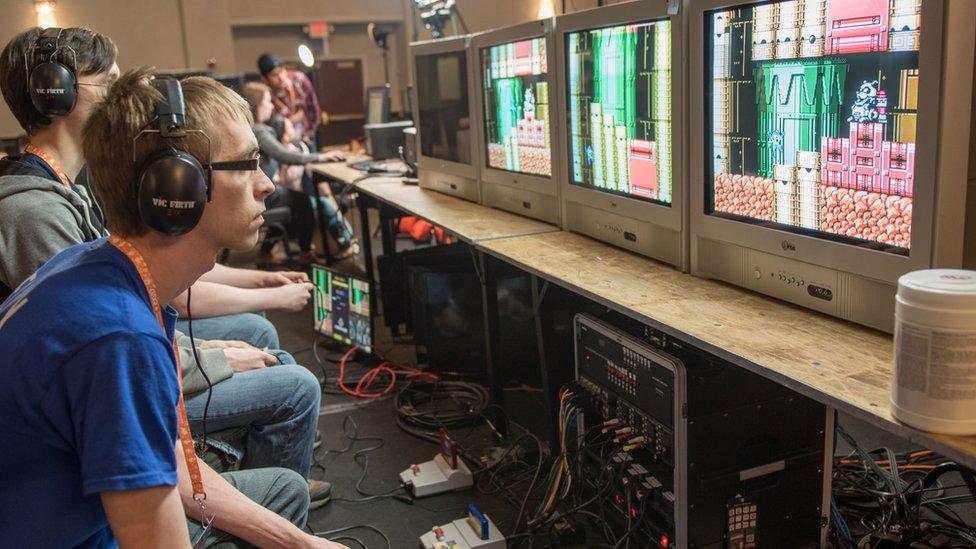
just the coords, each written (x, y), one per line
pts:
(391, 371)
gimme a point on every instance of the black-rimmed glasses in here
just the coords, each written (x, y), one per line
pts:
(248, 165)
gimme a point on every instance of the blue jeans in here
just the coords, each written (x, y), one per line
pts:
(280, 491)
(274, 410)
(338, 226)
(247, 327)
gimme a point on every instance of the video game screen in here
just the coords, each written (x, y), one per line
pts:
(516, 99)
(442, 103)
(810, 117)
(619, 99)
(341, 307)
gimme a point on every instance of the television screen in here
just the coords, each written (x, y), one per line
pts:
(442, 100)
(811, 110)
(341, 308)
(516, 99)
(619, 99)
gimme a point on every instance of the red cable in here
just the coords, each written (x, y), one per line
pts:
(366, 381)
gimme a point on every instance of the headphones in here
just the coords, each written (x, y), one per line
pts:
(172, 186)
(52, 86)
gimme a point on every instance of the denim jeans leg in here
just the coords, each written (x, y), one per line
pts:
(251, 328)
(338, 226)
(284, 357)
(279, 408)
(280, 491)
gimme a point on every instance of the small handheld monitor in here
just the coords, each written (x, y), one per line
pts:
(341, 308)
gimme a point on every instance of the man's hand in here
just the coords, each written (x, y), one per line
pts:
(223, 344)
(333, 156)
(315, 542)
(273, 279)
(242, 360)
(292, 297)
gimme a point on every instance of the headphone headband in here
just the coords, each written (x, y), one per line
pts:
(49, 38)
(170, 109)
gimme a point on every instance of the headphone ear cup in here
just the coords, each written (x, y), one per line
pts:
(172, 192)
(53, 89)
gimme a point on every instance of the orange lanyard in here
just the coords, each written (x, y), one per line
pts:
(43, 155)
(186, 439)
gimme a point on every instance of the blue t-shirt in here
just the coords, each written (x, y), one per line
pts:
(88, 396)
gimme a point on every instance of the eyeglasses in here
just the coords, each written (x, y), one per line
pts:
(93, 84)
(248, 165)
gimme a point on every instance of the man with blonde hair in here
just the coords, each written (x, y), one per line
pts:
(43, 212)
(93, 423)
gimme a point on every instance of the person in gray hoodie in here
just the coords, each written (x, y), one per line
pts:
(43, 212)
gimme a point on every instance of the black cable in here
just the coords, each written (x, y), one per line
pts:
(535, 477)
(350, 538)
(328, 533)
(203, 371)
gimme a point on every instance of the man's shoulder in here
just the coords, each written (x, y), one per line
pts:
(86, 286)
(32, 193)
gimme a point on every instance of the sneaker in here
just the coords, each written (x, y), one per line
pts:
(318, 440)
(319, 493)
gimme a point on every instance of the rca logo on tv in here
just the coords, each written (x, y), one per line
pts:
(788, 246)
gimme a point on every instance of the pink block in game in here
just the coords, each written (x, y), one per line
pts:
(857, 27)
(866, 145)
(835, 157)
(523, 58)
(898, 168)
(643, 168)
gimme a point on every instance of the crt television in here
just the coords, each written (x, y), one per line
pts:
(516, 106)
(828, 140)
(621, 127)
(341, 308)
(443, 116)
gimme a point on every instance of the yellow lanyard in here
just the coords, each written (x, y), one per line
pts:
(186, 439)
(43, 155)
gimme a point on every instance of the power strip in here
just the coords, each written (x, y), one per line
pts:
(477, 531)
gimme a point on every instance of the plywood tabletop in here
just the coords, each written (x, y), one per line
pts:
(835, 362)
(470, 222)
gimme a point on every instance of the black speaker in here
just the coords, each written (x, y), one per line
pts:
(52, 85)
(172, 186)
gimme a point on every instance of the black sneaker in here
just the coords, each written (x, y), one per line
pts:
(319, 493)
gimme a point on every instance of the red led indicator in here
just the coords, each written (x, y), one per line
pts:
(633, 512)
(664, 542)
(618, 500)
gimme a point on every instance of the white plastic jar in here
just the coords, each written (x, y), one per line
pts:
(934, 388)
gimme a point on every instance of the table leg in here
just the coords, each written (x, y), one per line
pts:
(489, 301)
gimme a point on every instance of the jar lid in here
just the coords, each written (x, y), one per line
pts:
(948, 289)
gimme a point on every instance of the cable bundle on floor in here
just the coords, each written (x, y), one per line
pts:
(883, 495)
(425, 405)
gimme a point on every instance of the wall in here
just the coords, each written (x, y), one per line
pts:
(152, 39)
(151, 32)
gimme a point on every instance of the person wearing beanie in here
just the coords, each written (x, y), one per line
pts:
(293, 96)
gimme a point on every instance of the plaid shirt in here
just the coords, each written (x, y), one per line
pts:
(300, 105)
